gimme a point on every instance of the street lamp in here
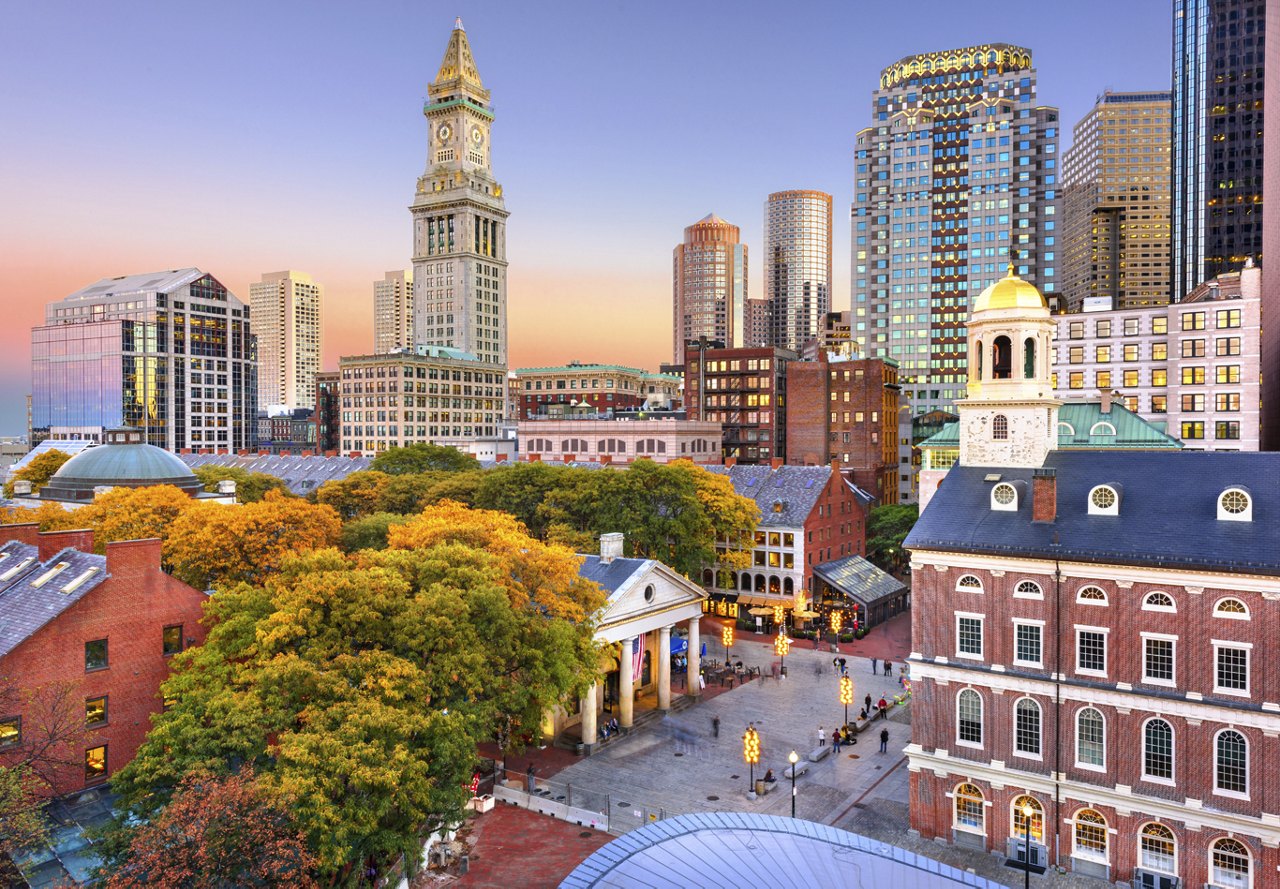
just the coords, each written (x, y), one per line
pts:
(836, 623)
(779, 616)
(1027, 811)
(846, 695)
(751, 753)
(793, 759)
(780, 647)
(726, 636)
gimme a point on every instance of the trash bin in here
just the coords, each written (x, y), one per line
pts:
(784, 669)
(759, 786)
(579, 749)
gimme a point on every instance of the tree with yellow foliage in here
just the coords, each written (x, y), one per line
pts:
(39, 470)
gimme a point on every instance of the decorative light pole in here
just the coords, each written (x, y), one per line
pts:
(780, 648)
(793, 759)
(846, 695)
(726, 636)
(780, 617)
(836, 621)
(751, 753)
(1027, 811)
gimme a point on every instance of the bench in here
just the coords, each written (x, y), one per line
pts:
(768, 786)
(819, 753)
(799, 768)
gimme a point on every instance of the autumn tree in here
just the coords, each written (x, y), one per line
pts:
(250, 486)
(215, 544)
(359, 494)
(49, 515)
(217, 832)
(359, 686)
(22, 824)
(423, 457)
(132, 513)
(369, 532)
(39, 470)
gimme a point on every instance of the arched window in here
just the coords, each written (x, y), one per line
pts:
(1002, 358)
(1157, 750)
(1090, 738)
(1000, 427)
(1020, 820)
(1231, 766)
(1102, 427)
(1235, 505)
(1026, 727)
(788, 586)
(708, 577)
(775, 586)
(1157, 849)
(969, 717)
(759, 583)
(1229, 864)
(1091, 595)
(969, 584)
(1004, 497)
(1028, 589)
(970, 808)
(1066, 429)
(977, 350)
(1231, 608)
(1104, 500)
(1029, 359)
(1091, 835)
(1158, 601)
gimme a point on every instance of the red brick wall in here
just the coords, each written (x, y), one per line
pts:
(836, 527)
(129, 608)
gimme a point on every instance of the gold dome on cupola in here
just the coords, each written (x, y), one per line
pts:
(1010, 292)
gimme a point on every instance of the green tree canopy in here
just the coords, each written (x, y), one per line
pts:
(887, 527)
(369, 532)
(423, 457)
(250, 486)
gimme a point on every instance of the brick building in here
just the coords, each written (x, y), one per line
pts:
(601, 439)
(846, 411)
(744, 390)
(600, 386)
(1091, 638)
(87, 640)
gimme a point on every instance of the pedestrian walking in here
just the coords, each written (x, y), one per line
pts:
(875, 666)
(867, 702)
(822, 737)
(888, 668)
(884, 740)
(844, 667)
(529, 780)
(715, 726)
(835, 741)
(815, 641)
(884, 708)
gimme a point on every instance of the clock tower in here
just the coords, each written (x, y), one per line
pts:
(459, 218)
(1009, 416)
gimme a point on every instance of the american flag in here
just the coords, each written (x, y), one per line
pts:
(637, 655)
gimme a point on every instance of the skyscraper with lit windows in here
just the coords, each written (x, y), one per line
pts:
(797, 265)
(956, 178)
(709, 286)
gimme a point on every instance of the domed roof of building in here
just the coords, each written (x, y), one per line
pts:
(1010, 292)
(123, 460)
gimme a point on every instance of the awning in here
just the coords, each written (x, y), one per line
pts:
(770, 601)
(858, 579)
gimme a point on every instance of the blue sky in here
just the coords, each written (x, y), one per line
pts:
(249, 137)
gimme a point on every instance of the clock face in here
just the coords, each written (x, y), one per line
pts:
(477, 136)
(444, 132)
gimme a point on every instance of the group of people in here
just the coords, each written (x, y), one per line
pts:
(888, 667)
(842, 736)
(609, 729)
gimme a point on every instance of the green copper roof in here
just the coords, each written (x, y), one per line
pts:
(1083, 426)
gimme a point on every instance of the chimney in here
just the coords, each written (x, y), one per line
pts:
(128, 556)
(51, 542)
(1106, 401)
(22, 488)
(1044, 495)
(610, 547)
(27, 533)
(730, 462)
(777, 463)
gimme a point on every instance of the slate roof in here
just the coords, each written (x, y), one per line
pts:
(748, 849)
(1168, 512)
(797, 488)
(613, 575)
(25, 608)
(1080, 419)
(301, 475)
(859, 579)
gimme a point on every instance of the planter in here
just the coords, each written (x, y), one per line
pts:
(482, 803)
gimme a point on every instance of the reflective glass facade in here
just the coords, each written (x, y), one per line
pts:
(175, 360)
(797, 266)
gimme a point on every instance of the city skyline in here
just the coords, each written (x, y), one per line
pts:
(103, 182)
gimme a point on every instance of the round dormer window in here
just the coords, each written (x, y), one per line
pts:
(1235, 502)
(648, 593)
(1103, 498)
(1004, 494)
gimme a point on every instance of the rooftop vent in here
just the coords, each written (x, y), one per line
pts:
(50, 574)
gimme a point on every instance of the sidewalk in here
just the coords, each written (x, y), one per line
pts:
(891, 639)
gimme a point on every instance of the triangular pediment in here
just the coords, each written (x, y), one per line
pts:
(654, 591)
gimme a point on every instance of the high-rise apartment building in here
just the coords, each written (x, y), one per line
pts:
(169, 353)
(459, 218)
(1220, 75)
(393, 312)
(1116, 197)
(757, 333)
(959, 168)
(797, 265)
(709, 292)
(745, 391)
(286, 319)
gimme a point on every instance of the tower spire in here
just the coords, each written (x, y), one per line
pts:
(458, 68)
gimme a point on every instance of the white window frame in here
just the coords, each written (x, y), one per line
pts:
(1161, 637)
(1248, 766)
(1168, 609)
(982, 720)
(1245, 516)
(982, 635)
(1113, 509)
(1173, 754)
(969, 589)
(1248, 852)
(1106, 600)
(1017, 594)
(1171, 871)
(1231, 615)
(1025, 622)
(954, 795)
(1023, 754)
(1075, 740)
(1106, 650)
(1247, 647)
(1107, 832)
(1011, 506)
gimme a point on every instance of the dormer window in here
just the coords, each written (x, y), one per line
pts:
(1000, 427)
(1104, 500)
(1102, 427)
(1004, 497)
(1235, 505)
(1066, 429)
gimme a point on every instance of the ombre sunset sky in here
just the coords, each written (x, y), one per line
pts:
(249, 137)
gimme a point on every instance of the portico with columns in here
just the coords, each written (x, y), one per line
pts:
(647, 605)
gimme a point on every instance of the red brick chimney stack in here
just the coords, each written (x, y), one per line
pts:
(1044, 495)
(51, 542)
